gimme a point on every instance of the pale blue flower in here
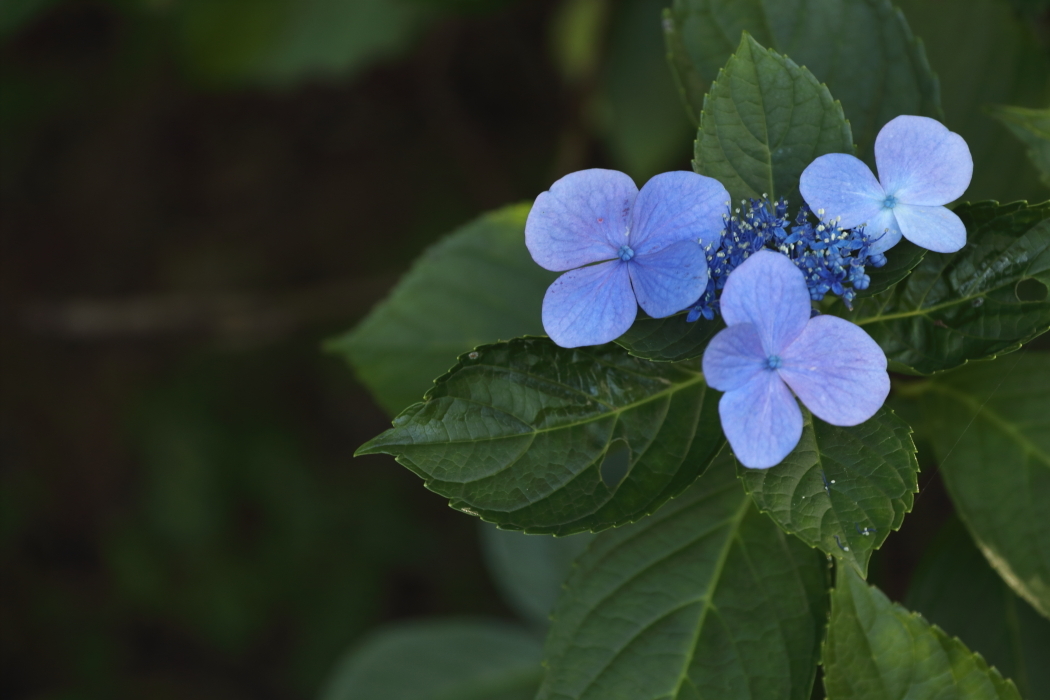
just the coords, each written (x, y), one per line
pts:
(922, 166)
(772, 348)
(623, 249)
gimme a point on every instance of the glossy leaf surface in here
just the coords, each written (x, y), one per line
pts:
(670, 339)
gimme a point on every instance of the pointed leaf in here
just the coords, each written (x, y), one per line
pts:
(1032, 126)
(842, 489)
(876, 650)
(975, 304)
(524, 434)
(763, 122)
(705, 599)
(990, 428)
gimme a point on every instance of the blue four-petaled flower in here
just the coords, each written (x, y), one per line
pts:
(922, 166)
(623, 248)
(772, 348)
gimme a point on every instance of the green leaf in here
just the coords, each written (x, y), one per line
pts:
(529, 435)
(476, 286)
(862, 50)
(1032, 126)
(904, 258)
(871, 478)
(440, 660)
(954, 588)
(763, 122)
(707, 598)
(983, 301)
(15, 14)
(877, 650)
(985, 54)
(529, 569)
(669, 339)
(990, 428)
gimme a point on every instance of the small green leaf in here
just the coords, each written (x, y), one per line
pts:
(990, 428)
(1032, 126)
(900, 261)
(968, 305)
(877, 650)
(763, 122)
(440, 660)
(705, 599)
(862, 50)
(954, 588)
(529, 569)
(669, 339)
(520, 434)
(476, 286)
(841, 489)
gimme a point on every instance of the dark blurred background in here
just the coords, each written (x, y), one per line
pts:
(194, 194)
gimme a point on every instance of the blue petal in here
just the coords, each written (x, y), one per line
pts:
(837, 371)
(761, 420)
(933, 228)
(734, 357)
(671, 279)
(582, 219)
(590, 306)
(843, 187)
(883, 230)
(921, 162)
(678, 206)
(767, 290)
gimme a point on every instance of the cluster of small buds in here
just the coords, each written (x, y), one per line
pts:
(833, 259)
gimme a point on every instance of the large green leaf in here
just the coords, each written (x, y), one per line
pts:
(990, 427)
(764, 120)
(539, 438)
(705, 599)
(476, 286)
(877, 650)
(1032, 126)
(669, 339)
(955, 589)
(985, 54)
(862, 50)
(968, 305)
(841, 489)
(440, 660)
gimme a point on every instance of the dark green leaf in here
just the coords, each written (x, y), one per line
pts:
(15, 14)
(877, 650)
(763, 122)
(901, 260)
(519, 433)
(967, 305)
(529, 569)
(440, 660)
(669, 339)
(956, 589)
(706, 599)
(985, 54)
(477, 286)
(870, 472)
(1032, 126)
(862, 50)
(990, 428)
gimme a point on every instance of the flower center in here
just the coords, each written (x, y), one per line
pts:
(773, 362)
(626, 252)
(889, 202)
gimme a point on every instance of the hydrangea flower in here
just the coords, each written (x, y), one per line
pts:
(922, 166)
(772, 348)
(622, 249)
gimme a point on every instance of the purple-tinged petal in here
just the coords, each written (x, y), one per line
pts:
(670, 279)
(921, 162)
(934, 228)
(761, 420)
(843, 187)
(678, 206)
(734, 357)
(590, 306)
(837, 371)
(767, 290)
(883, 230)
(582, 219)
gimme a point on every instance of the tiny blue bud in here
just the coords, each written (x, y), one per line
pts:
(889, 202)
(626, 253)
(773, 362)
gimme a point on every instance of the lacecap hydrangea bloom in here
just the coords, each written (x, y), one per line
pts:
(922, 166)
(771, 348)
(623, 248)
